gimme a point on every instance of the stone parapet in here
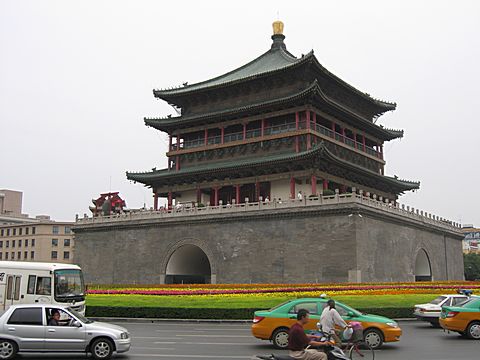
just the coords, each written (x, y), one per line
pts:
(355, 203)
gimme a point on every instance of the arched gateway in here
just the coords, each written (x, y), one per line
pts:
(188, 264)
(423, 269)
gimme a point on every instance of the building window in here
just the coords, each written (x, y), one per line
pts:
(19, 255)
(54, 242)
(55, 229)
(7, 243)
(14, 232)
(1, 255)
(33, 230)
(25, 255)
(32, 255)
(3, 232)
(19, 243)
(68, 230)
(6, 256)
(12, 256)
(54, 254)
(13, 243)
(1, 244)
(20, 231)
(66, 255)
(26, 230)
(26, 242)
(33, 242)
(8, 232)
(66, 242)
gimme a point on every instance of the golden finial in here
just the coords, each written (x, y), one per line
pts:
(277, 27)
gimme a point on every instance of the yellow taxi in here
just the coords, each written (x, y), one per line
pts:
(464, 319)
(274, 324)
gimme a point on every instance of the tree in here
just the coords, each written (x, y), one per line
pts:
(472, 266)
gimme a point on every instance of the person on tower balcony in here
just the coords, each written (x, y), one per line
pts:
(300, 195)
(298, 340)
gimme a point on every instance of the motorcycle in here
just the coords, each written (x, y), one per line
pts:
(333, 352)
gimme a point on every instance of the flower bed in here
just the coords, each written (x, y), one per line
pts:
(297, 290)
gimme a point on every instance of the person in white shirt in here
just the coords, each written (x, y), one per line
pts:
(331, 318)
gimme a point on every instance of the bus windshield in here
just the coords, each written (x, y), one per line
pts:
(69, 285)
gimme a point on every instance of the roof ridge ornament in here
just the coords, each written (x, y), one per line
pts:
(278, 36)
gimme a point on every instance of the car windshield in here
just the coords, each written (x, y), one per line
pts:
(69, 284)
(438, 300)
(277, 306)
(80, 316)
(472, 302)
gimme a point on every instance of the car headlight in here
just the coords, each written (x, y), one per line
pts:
(392, 324)
(124, 335)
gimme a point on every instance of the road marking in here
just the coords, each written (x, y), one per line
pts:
(156, 337)
(194, 356)
(169, 331)
(216, 336)
(152, 348)
(199, 343)
(222, 329)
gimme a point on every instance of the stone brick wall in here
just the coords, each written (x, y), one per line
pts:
(319, 244)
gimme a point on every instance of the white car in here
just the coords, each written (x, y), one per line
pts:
(431, 311)
(51, 328)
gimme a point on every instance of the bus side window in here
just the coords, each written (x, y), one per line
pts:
(9, 287)
(16, 293)
(31, 284)
(44, 286)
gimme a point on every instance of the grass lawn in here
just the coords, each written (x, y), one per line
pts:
(242, 301)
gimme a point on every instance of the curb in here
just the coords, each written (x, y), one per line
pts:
(212, 321)
(159, 320)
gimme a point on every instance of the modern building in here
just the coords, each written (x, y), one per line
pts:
(471, 242)
(276, 173)
(43, 240)
(11, 207)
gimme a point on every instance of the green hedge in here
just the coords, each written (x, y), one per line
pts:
(195, 313)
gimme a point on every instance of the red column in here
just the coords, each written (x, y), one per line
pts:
(169, 142)
(257, 191)
(222, 134)
(245, 131)
(206, 137)
(237, 194)
(315, 121)
(215, 189)
(199, 195)
(262, 128)
(363, 143)
(309, 137)
(177, 163)
(297, 124)
(178, 142)
(155, 200)
(292, 188)
(355, 139)
(170, 200)
(343, 189)
(343, 134)
(325, 184)
(314, 185)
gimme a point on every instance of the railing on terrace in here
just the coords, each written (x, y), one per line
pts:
(346, 198)
(350, 142)
(273, 130)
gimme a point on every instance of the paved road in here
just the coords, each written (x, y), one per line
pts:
(191, 341)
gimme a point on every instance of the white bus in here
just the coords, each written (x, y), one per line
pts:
(36, 282)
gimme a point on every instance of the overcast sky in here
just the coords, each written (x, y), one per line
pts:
(76, 80)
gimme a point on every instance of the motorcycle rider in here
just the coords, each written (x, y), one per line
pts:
(298, 340)
(331, 318)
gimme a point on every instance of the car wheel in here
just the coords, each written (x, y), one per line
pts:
(102, 349)
(8, 349)
(473, 330)
(435, 323)
(373, 338)
(280, 338)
